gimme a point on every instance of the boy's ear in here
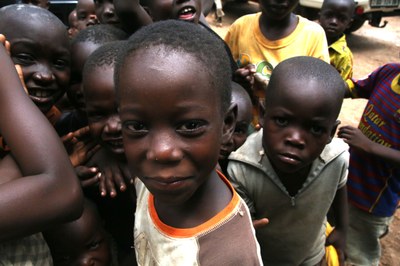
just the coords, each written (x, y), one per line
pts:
(333, 132)
(229, 123)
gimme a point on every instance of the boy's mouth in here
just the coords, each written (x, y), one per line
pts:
(42, 96)
(187, 13)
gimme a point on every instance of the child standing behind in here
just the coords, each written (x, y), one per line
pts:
(335, 18)
(258, 42)
(290, 172)
(374, 172)
(187, 213)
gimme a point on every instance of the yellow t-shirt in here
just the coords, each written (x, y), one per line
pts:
(341, 58)
(250, 46)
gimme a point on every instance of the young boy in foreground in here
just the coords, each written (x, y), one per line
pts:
(290, 172)
(175, 114)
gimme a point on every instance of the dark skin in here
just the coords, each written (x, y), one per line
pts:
(297, 126)
(174, 149)
(133, 15)
(27, 209)
(81, 242)
(44, 57)
(276, 22)
(335, 18)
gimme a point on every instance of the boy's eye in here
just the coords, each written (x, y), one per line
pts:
(60, 64)
(191, 128)
(94, 245)
(24, 59)
(281, 121)
(317, 130)
(134, 127)
(241, 129)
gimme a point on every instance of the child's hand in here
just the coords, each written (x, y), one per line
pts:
(355, 138)
(88, 176)
(6, 43)
(113, 174)
(245, 76)
(80, 146)
(336, 238)
(260, 223)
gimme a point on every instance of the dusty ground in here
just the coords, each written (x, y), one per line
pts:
(371, 47)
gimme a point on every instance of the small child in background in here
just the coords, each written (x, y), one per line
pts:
(38, 187)
(81, 242)
(172, 131)
(335, 18)
(374, 172)
(289, 171)
(105, 128)
(106, 14)
(86, 14)
(243, 119)
(72, 24)
(260, 41)
(85, 43)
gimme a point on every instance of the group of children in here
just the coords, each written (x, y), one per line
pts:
(157, 128)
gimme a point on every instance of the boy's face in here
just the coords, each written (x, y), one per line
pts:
(44, 56)
(86, 14)
(172, 126)
(335, 18)
(278, 9)
(298, 122)
(189, 10)
(79, 54)
(105, 12)
(84, 243)
(243, 120)
(101, 108)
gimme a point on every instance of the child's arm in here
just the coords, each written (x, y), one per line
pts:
(48, 191)
(337, 237)
(132, 14)
(356, 139)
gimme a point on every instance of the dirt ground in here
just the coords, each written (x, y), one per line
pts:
(371, 47)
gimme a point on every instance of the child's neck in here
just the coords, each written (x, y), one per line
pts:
(209, 199)
(293, 182)
(333, 40)
(278, 29)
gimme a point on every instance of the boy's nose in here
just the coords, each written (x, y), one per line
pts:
(163, 149)
(44, 75)
(113, 125)
(295, 138)
(109, 10)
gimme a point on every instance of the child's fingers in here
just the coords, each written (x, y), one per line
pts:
(119, 180)
(91, 181)
(102, 186)
(109, 182)
(260, 223)
(82, 132)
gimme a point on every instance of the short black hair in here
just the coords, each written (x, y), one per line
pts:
(350, 3)
(189, 38)
(105, 56)
(100, 34)
(307, 68)
(28, 13)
